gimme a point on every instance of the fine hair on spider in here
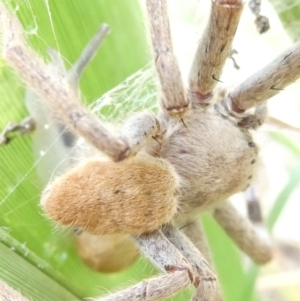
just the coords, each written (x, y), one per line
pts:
(163, 170)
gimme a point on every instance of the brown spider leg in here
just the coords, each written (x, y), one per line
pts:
(48, 84)
(248, 239)
(265, 83)
(169, 260)
(173, 99)
(207, 290)
(214, 48)
(9, 294)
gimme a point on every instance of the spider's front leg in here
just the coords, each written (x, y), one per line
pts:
(58, 93)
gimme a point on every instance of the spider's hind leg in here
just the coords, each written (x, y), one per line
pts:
(254, 243)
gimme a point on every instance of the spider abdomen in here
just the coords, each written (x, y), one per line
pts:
(134, 196)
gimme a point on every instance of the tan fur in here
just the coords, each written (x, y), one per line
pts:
(107, 253)
(108, 197)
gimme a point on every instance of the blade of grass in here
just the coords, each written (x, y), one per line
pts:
(289, 12)
(273, 217)
(29, 280)
(283, 197)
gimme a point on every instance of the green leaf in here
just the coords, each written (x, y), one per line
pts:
(283, 197)
(31, 279)
(289, 12)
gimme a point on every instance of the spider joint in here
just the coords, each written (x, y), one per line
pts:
(173, 268)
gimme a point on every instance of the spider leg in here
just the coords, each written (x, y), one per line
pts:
(209, 290)
(37, 110)
(169, 260)
(265, 83)
(214, 48)
(55, 90)
(25, 127)
(173, 98)
(47, 82)
(194, 231)
(254, 243)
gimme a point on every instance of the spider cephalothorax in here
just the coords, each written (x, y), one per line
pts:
(163, 170)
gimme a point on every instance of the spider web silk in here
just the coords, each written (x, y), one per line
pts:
(137, 93)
